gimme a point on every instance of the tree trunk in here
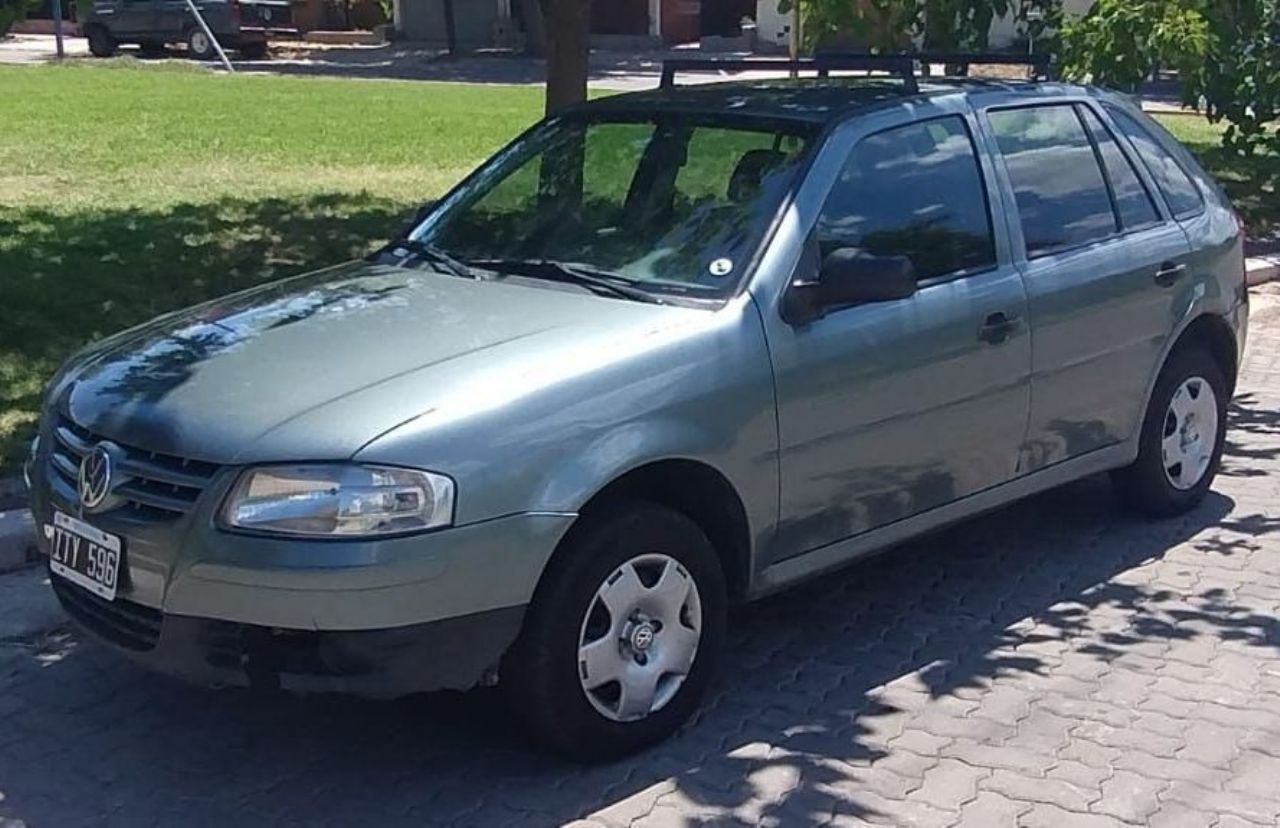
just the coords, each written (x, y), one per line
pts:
(567, 26)
(450, 29)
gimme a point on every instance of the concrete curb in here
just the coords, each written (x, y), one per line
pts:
(30, 609)
(17, 539)
(13, 492)
(1262, 269)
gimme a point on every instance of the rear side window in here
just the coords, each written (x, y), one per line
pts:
(1133, 202)
(1179, 190)
(913, 191)
(1062, 197)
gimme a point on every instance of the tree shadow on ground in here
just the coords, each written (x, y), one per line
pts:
(69, 277)
(1254, 438)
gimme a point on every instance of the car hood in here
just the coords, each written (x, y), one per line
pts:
(317, 366)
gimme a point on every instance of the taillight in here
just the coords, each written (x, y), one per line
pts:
(235, 12)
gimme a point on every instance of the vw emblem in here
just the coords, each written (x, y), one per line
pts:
(95, 477)
(642, 638)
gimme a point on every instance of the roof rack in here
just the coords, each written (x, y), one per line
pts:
(901, 65)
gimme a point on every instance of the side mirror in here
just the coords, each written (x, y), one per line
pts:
(850, 275)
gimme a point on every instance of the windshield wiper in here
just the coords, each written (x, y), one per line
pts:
(593, 278)
(406, 247)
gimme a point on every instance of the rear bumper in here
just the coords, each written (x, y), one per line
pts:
(250, 34)
(455, 653)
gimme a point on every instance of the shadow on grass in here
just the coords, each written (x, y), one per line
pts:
(1254, 187)
(69, 277)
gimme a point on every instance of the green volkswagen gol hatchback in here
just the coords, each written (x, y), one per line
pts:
(664, 352)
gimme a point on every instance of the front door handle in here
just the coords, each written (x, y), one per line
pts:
(997, 327)
(1169, 273)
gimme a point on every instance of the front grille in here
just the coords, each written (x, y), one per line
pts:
(157, 487)
(123, 623)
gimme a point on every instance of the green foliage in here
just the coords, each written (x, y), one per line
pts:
(959, 25)
(1120, 42)
(879, 25)
(1239, 81)
(938, 25)
(13, 11)
(1226, 52)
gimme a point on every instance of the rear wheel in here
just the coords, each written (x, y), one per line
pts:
(1183, 433)
(101, 43)
(623, 636)
(200, 45)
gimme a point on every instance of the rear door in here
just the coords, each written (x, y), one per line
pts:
(1101, 262)
(174, 19)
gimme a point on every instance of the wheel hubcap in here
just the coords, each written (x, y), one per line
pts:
(1190, 433)
(200, 42)
(639, 637)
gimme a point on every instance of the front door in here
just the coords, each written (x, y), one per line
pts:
(1100, 265)
(888, 409)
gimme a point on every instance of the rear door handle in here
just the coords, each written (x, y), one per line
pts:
(997, 327)
(1169, 273)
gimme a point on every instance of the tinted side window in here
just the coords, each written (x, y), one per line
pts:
(1179, 190)
(914, 191)
(1132, 199)
(1062, 196)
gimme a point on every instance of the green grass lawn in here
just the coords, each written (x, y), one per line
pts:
(1252, 183)
(128, 190)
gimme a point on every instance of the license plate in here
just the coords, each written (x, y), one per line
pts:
(84, 555)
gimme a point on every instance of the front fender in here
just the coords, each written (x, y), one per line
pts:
(701, 391)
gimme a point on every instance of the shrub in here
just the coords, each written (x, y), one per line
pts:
(1226, 53)
(12, 11)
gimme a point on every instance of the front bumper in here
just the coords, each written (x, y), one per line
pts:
(455, 653)
(380, 617)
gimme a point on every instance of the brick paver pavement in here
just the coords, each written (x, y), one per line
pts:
(1058, 663)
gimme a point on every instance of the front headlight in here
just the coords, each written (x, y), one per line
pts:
(340, 501)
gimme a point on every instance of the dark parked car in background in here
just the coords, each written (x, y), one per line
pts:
(243, 25)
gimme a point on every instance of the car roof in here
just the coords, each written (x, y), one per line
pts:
(811, 100)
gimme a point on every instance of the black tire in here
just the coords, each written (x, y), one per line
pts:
(253, 50)
(540, 674)
(101, 43)
(1146, 485)
(199, 45)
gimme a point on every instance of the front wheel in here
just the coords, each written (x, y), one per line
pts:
(623, 636)
(1183, 433)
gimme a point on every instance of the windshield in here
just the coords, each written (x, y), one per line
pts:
(675, 203)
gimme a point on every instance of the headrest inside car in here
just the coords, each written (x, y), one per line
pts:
(749, 175)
